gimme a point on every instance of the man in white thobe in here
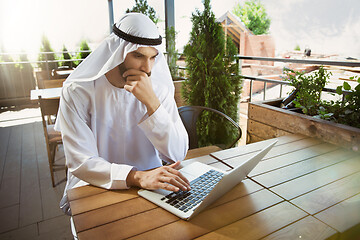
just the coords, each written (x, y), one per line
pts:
(118, 116)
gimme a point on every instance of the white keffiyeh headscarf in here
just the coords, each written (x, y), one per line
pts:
(142, 32)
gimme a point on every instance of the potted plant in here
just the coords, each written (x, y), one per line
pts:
(335, 121)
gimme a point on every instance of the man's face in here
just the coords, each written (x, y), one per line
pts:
(142, 59)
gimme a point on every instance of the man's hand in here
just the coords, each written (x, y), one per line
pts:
(139, 84)
(166, 177)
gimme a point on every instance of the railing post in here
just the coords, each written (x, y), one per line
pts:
(47, 65)
(265, 91)
(251, 89)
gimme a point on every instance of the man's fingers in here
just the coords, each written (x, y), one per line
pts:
(133, 72)
(168, 187)
(171, 169)
(175, 181)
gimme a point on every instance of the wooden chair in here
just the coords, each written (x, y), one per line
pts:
(190, 114)
(49, 107)
(50, 83)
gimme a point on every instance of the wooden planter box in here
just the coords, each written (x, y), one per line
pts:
(267, 120)
(178, 99)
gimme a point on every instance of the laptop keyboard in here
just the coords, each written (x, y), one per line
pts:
(200, 188)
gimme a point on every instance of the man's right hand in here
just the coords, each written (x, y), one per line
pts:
(166, 177)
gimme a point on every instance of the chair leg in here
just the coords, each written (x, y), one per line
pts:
(51, 163)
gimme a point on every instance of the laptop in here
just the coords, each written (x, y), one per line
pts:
(207, 185)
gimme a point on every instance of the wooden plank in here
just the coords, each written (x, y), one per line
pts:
(85, 191)
(10, 185)
(50, 199)
(111, 213)
(101, 200)
(9, 218)
(41, 154)
(30, 199)
(274, 152)
(317, 179)
(253, 139)
(53, 83)
(4, 142)
(344, 217)
(264, 131)
(241, 150)
(198, 152)
(260, 224)
(291, 158)
(28, 232)
(306, 228)
(293, 171)
(329, 195)
(129, 226)
(214, 218)
(346, 136)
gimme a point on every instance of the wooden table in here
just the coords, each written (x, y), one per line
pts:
(302, 189)
(45, 93)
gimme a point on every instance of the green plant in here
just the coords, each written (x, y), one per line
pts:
(253, 15)
(297, 47)
(46, 54)
(308, 97)
(213, 79)
(309, 88)
(141, 6)
(347, 110)
(66, 56)
(82, 55)
(171, 52)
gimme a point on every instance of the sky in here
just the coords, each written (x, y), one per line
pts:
(326, 26)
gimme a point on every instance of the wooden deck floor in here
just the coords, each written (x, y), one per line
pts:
(29, 205)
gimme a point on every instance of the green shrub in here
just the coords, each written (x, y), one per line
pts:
(172, 54)
(308, 97)
(66, 56)
(213, 79)
(46, 54)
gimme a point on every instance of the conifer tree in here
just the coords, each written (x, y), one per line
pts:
(83, 47)
(172, 52)
(66, 56)
(213, 79)
(46, 47)
(141, 6)
(26, 72)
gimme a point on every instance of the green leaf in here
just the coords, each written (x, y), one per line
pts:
(339, 90)
(347, 86)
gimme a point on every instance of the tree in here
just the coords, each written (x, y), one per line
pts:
(141, 6)
(83, 54)
(66, 56)
(213, 79)
(46, 54)
(172, 52)
(254, 16)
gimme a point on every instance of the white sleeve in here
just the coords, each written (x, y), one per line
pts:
(166, 131)
(80, 146)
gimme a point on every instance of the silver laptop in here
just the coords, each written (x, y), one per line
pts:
(207, 185)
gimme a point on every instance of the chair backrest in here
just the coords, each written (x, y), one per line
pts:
(48, 107)
(189, 116)
(50, 83)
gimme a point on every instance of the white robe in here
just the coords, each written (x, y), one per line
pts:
(107, 133)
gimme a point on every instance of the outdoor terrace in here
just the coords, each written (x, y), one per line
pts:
(29, 205)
